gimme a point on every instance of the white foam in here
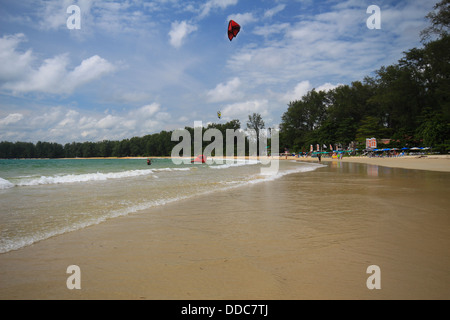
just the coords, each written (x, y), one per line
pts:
(172, 169)
(233, 163)
(258, 178)
(99, 176)
(279, 174)
(5, 184)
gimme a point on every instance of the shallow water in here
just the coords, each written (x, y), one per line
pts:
(43, 198)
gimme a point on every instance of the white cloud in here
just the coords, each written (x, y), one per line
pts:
(299, 91)
(243, 18)
(64, 124)
(110, 16)
(11, 118)
(13, 65)
(213, 4)
(241, 110)
(149, 110)
(179, 31)
(271, 30)
(271, 12)
(146, 112)
(52, 76)
(89, 70)
(226, 92)
(53, 13)
(327, 87)
(302, 88)
(109, 122)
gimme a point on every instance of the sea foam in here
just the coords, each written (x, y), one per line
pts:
(5, 184)
(99, 176)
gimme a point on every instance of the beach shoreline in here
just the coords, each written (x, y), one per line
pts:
(304, 236)
(427, 162)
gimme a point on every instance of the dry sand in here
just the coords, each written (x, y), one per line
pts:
(432, 163)
(304, 236)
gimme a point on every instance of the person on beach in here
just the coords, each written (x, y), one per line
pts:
(149, 162)
(319, 156)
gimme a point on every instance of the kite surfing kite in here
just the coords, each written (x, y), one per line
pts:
(233, 29)
(219, 114)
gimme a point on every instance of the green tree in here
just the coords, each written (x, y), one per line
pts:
(301, 122)
(255, 122)
(440, 21)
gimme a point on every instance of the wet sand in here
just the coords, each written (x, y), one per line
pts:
(304, 236)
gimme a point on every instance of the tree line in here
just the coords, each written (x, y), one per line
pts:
(154, 145)
(407, 102)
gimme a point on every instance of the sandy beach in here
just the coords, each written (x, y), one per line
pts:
(304, 236)
(432, 162)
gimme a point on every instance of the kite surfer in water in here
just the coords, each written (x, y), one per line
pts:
(149, 162)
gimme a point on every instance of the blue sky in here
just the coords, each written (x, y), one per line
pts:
(138, 67)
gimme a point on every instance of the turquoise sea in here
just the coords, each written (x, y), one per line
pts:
(43, 198)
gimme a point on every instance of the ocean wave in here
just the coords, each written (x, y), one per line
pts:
(5, 184)
(233, 163)
(303, 168)
(87, 177)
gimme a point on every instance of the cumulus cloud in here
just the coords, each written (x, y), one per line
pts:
(108, 122)
(243, 18)
(302, 88)
(225, 92)
(299, 91)
(241, 110)
(18, 73)
(64, 124)
(13, 65)
(89, 70)
(179, 31)
(328, 86)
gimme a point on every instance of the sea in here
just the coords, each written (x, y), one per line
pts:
(42, 198)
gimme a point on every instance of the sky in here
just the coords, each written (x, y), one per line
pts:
(138, 67)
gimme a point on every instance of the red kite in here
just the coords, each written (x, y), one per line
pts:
(233, 29)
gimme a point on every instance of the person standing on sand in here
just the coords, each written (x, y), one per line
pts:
(319, 156)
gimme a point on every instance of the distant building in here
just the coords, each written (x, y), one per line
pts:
(371, 143)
